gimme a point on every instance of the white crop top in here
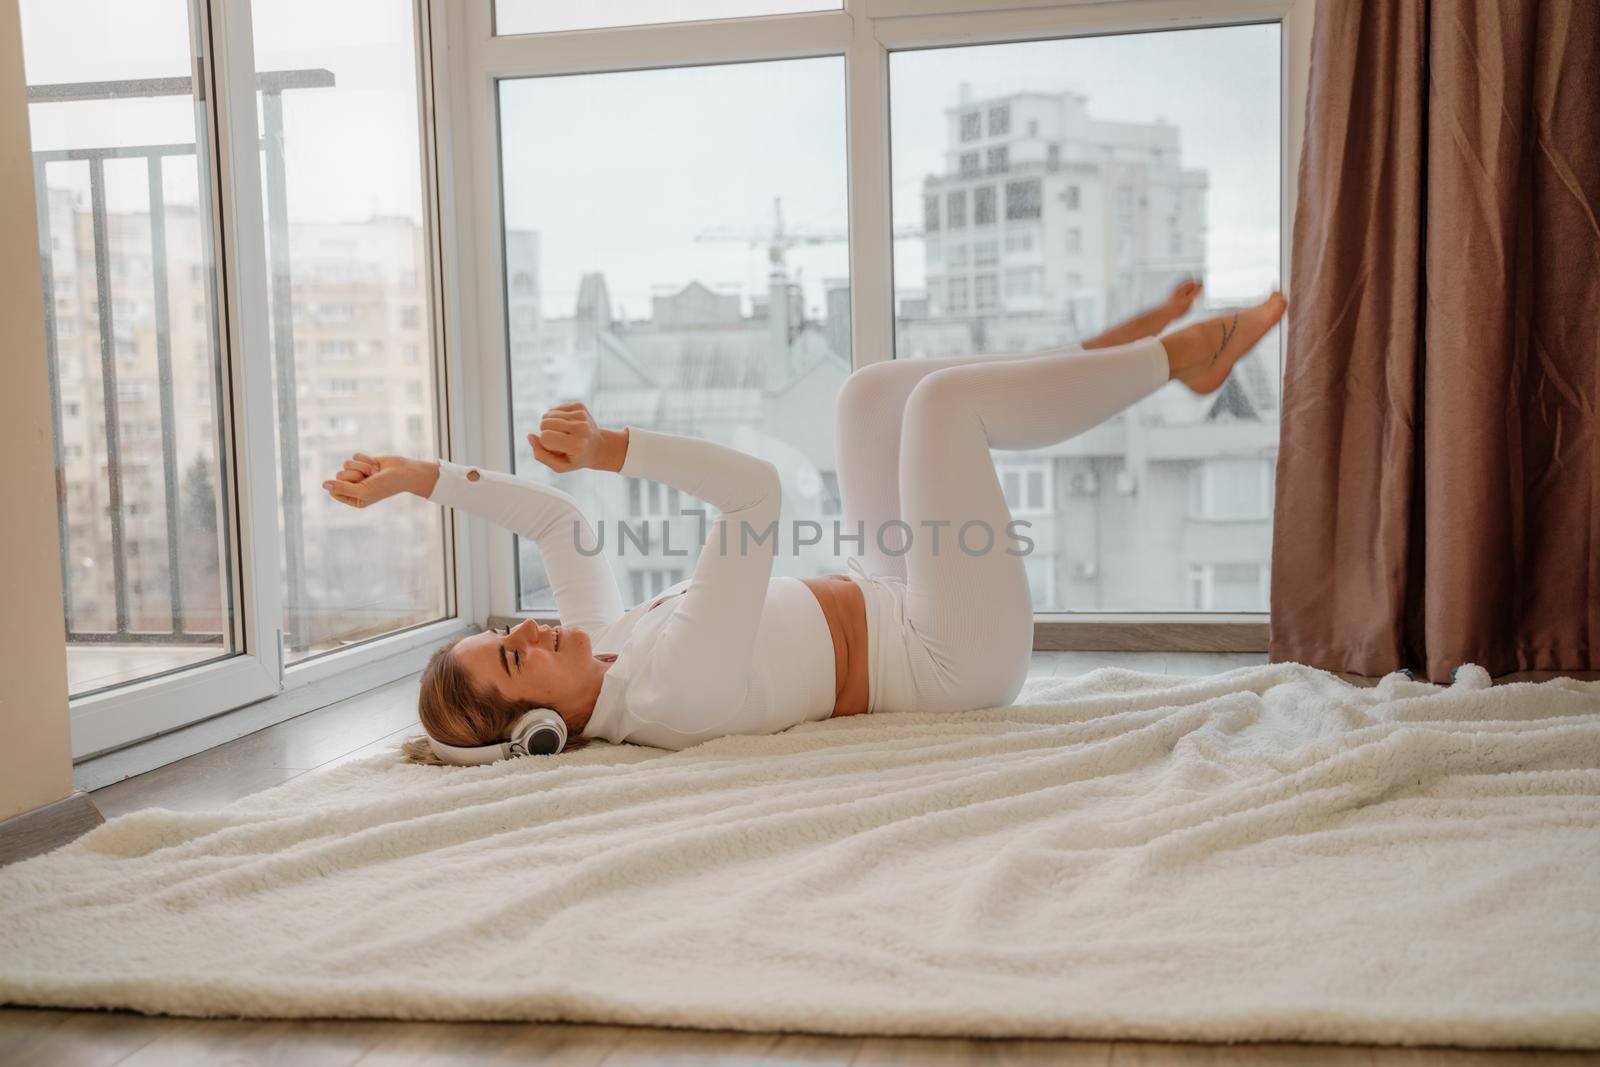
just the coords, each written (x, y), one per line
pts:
(732, 650)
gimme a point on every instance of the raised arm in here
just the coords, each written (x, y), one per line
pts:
(698, 669)
(585, 590)
(697, 674)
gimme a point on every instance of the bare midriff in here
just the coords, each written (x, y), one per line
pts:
(845, 608)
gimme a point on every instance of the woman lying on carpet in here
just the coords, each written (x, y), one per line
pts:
(935, 627)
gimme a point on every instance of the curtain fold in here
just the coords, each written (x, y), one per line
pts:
(1438, 491)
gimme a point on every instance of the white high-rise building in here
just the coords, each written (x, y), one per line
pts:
(1048, 224)
(1044, 227)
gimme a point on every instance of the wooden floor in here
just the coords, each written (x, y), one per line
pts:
(377, 720)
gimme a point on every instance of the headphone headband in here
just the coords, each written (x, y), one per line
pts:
(538, 732)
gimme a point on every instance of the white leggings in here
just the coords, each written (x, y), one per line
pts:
(913, 441)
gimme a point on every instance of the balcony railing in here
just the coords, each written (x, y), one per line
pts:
(272, 85)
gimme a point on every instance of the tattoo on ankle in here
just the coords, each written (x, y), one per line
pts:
(1228, 329)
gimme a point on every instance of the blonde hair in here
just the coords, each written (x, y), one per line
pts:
(457, 712)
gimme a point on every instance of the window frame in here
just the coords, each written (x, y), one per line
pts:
(864, 33)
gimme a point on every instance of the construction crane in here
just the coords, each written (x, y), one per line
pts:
(779, 238)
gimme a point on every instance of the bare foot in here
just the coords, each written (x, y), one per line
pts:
(1200, 356)
(1151, 322)
(1177, 305)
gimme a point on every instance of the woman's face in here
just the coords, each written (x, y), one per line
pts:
(530, 663)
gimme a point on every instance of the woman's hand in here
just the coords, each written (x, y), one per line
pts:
(569, 439)
(368, 479)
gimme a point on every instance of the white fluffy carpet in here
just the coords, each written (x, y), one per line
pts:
(1264, 854)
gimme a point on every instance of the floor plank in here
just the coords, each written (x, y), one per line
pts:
(472, 1044)
(269, 757)
(660, 1047)
(45, 829)
(1176, 1054)
(21, 1028)
(1461, 1057)
(256, 1043)
(951, 1052)
(51, 1038)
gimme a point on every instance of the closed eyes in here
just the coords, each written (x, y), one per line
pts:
(516, 657)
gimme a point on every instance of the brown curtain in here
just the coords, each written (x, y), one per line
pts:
(1438, 494)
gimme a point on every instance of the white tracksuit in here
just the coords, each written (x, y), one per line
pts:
(949, 616)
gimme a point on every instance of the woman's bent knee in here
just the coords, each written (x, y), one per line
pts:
(940, 399)
(871, 389)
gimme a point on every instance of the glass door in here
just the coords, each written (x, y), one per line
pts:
(239, 280)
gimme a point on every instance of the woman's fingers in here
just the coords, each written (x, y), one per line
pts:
(361, 466)
(350, 475)
(558, 441)
(567, 414)
(554, 460)
(555, 420)
(355, 494)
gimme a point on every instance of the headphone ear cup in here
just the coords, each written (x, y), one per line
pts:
(545, 741)
(540, 732)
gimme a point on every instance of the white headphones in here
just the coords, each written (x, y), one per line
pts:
(539, 732)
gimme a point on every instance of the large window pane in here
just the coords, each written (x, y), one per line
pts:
(352, 330)
(1041, 195)
(121, 165)
(541, 16)
(676, 258)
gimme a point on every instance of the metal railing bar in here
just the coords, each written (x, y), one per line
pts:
(65, 155)
(108, 384)
(169, 437)
(267, 81)
(47, 266)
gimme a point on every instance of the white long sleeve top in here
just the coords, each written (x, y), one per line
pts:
(732, 650)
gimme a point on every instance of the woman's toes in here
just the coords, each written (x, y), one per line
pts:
(1269, 311)
(1183, 296)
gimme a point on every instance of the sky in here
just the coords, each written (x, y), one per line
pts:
(622, 172)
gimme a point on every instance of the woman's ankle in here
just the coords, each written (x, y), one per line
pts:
(1187, 348)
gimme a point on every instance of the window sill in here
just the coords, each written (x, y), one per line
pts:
(1056, 632)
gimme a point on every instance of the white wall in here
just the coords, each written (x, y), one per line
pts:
(33, 657)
